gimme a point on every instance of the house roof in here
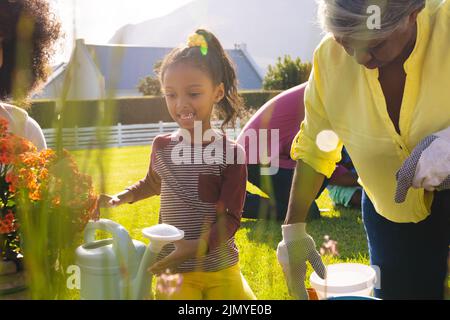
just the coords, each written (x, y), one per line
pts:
(123, 66)
(57, 71)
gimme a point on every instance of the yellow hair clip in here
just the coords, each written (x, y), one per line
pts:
(198, 40)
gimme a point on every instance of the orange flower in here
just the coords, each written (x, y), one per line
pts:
(3, 126)
(43, 175)
(56, 201)
(6, 226)
(9, 217)
(12, 179)
(35, 195)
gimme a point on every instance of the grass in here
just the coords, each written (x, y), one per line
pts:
(257, 240)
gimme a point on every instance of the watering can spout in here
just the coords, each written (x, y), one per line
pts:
(143, 281)
(159, 235)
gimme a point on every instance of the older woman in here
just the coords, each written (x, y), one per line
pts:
(28, 31)
(381, 89)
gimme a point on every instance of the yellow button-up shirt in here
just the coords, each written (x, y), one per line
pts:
(347, 98)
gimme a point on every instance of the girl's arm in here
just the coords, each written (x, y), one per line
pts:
(149, 186)
(144, 188)
(229, 212)
(229, 207)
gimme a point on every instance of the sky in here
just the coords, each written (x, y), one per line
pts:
(97, 20)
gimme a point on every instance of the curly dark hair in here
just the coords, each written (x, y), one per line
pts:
(28, 30)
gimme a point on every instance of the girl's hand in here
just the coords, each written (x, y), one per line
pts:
(102, 202)
(107, 201)
(184, 250)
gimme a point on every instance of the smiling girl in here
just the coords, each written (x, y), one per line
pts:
(204, 199)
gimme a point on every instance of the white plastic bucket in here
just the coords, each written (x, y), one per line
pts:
(345, 279)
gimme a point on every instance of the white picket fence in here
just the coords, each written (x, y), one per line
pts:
(120, 135)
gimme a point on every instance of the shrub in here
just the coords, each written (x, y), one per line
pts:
(149, 86)
(286, 73)
(126, 110)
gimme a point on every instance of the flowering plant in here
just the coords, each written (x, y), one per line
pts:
(169, 283)
(45, 189)
(11, 146)
(329, 247)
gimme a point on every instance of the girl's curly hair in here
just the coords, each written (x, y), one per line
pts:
(28, 30)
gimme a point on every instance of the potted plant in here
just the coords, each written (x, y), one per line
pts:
(45, 202)
(11, 276)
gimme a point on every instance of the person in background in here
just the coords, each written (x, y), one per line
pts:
(31, 27)
(343, 187)
(283, 113)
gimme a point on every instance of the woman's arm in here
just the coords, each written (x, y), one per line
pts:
(306, 184)
(34, 133)
(317, 149)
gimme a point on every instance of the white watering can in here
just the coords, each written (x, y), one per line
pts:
(117, 268)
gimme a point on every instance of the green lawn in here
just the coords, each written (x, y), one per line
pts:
(257, 240)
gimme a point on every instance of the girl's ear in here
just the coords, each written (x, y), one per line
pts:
(220, 92)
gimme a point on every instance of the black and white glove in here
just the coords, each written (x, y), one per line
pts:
(293, 251)
(427, 167)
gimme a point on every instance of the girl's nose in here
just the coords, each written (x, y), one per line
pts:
(182, 103)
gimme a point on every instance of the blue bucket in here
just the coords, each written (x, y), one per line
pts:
(353, 298)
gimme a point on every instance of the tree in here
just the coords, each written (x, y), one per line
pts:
(286, 73)
(150, 85)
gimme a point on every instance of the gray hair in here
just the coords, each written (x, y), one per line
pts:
(348, 18)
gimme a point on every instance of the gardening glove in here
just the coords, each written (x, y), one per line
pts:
(293, 251)
(427, 167)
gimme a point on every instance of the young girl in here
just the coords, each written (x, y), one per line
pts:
(203, 198)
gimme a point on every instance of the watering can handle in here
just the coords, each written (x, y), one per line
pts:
(122, 243)
(118, 232)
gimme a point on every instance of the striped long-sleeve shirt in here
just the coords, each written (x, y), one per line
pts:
(202, 193)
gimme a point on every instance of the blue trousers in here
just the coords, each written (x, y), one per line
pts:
(412, 257)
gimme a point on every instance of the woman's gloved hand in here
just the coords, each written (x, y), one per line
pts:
(293, 251)
(427, 167)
